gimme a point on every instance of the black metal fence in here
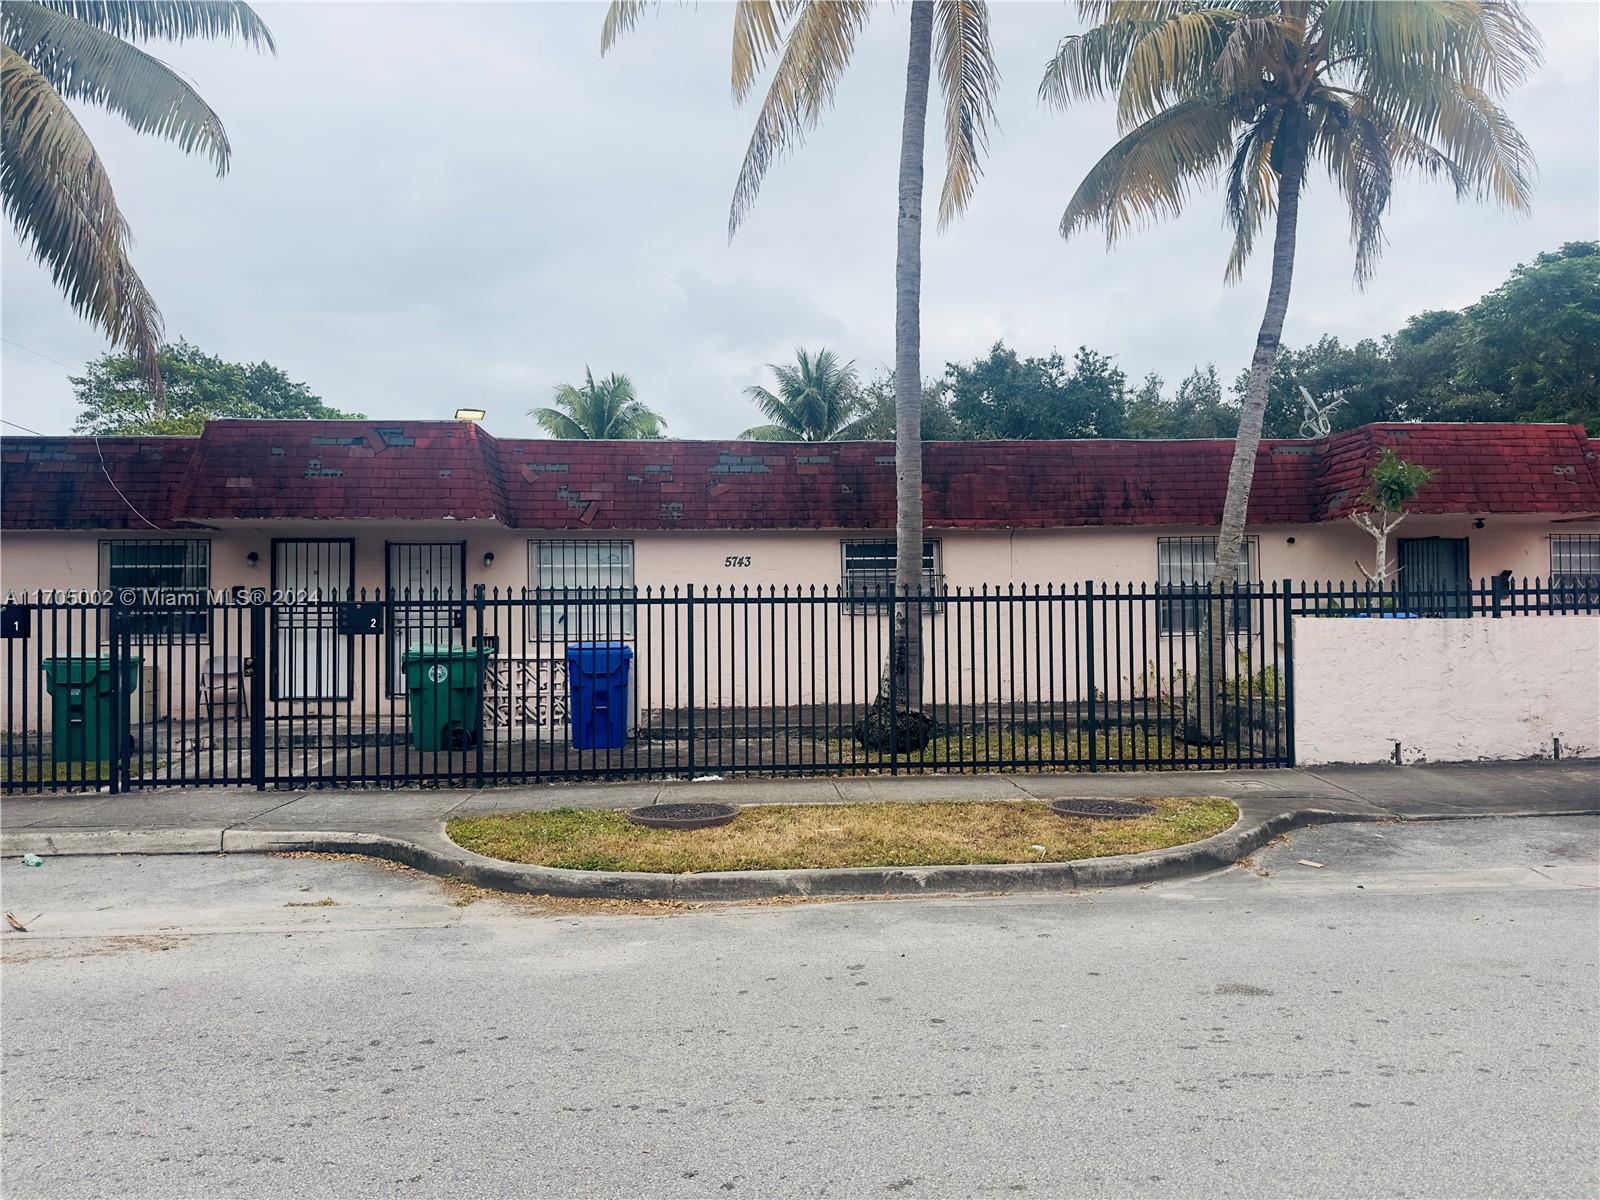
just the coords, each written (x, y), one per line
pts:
(274, 690)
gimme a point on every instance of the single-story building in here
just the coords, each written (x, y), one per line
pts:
(579, 531)
(425, 505)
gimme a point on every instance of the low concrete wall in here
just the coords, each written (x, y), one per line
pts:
(1446, 690)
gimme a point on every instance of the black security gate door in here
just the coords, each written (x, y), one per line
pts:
(1433, 577)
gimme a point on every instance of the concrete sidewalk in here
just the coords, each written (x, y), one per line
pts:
(409, 825)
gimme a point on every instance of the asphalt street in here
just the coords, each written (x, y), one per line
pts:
(1417, 1016)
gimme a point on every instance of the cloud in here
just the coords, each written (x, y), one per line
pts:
(436, 205)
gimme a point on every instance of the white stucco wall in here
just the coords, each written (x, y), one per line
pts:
(1446, 690)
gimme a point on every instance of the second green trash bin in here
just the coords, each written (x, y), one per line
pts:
(83, 706)
(445, 684)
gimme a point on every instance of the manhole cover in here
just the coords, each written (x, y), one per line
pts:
(1114, 809)
(682, 816)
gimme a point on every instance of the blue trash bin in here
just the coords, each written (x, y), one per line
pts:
(597, 694)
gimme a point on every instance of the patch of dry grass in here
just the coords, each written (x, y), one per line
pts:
(781, 836)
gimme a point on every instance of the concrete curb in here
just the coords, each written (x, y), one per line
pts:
(61, 842)
(431, 851)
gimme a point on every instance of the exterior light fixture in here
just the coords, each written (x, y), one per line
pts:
(488, 559)
(252, 558)
(1478, 524)
(470, 414)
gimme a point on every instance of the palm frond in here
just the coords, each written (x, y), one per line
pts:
(778, 410)
(1089, 65)
(1505, 44)
(1487, 43)
(1253, 48)
(757, 33)
(815, 55)
(1173, 60)
(1252, 191)
(85, 63)
(1495, 159)
(1370, 86)
(558, 424)
(1408, 150)
(1148, 173)
(621, 16)
(769, 433)
(57, 193)
(1354, 143)
(969, 78)
(816, 399)
(608, 408)
(170, 20)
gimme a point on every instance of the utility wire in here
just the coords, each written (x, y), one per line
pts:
(36, 354)
(118, 490)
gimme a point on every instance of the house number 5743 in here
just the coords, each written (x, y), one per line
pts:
(736, 560)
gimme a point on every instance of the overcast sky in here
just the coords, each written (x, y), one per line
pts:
(433, 206)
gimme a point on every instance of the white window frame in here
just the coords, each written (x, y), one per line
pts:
(1575, 567)
(583, 589)
(1574, 556)
(867, 571)
(187, 607)
(1180, 617)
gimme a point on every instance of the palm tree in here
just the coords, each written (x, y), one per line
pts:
(599, 411)
(812, 41)
(1253, 93)
(818, 400)
(55, 188)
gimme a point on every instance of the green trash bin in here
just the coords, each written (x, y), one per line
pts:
(83, 706)
(445, 684)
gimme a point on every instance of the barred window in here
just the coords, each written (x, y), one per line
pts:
(869, 571)
(583, 587)
(1575, 567)
(1189, 563)
(161, 585)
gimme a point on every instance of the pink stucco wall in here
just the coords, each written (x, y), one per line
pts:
(1446, 691)
(997, 559)
(780, 664)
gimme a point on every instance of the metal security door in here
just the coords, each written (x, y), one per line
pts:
(310, 660)
(427, 589)
(1434, 581)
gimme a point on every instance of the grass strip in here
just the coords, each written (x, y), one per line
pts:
(783, 836)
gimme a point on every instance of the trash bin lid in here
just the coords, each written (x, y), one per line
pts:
(85, 669)
(440, 654)
(598, 658)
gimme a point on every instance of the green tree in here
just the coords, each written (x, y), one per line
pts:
(1257, 92)
(1360, 377)
(818, 400)
(812, 41)
(608, 409)
(1535, 340)
(1004, 396)
(1392, 485)
(53, 181)
(115, 397)
(878, 421)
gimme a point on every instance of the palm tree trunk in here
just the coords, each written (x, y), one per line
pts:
(1204, 717)
(906, 658)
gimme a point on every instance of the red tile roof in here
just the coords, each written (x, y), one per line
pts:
(72, 483)
(431, 470)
